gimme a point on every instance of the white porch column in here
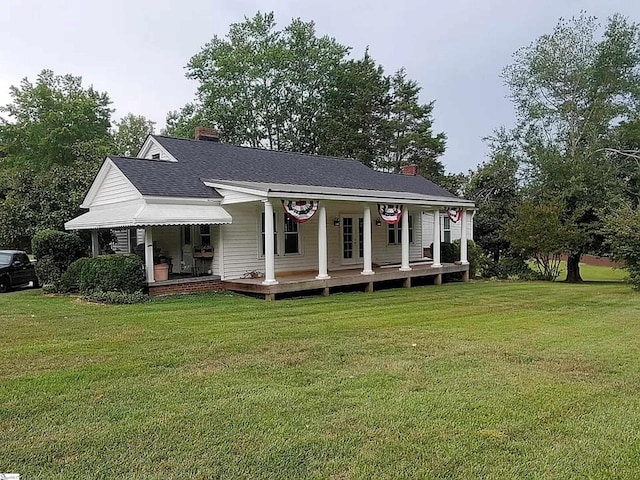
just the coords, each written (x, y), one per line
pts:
(323, 273)
(436, 239)
(148, 254)
(95, 244)
(269, 256)
(463, 238)
(366, 238)
(404, 267)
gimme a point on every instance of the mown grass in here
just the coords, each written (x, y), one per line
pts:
(480, 380)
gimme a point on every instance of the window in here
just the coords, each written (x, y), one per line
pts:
(291, 236)
(446, 230)
(394, 232)
(205, 235)
(155, 156)
(275, 234)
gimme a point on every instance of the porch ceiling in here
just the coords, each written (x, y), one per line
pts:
(149, 214)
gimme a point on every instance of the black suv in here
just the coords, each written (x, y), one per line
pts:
(16, 269)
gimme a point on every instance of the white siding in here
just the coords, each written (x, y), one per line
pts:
(427, 228)
(114, 188)
(154, 149)
(242, 240)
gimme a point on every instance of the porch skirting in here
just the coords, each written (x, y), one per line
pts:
(185, 285)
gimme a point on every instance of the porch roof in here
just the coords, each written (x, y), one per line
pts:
(140, 215)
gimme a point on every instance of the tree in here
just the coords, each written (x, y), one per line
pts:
(261, 86)
(622, 229)
(48, 118)
(54, 141)
(537, 231)
(410, 124)
(357, 107)
(495, 188)
(130, 133)
(569, 89)
(290, 89)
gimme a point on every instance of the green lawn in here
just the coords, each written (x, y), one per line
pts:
(484, 380)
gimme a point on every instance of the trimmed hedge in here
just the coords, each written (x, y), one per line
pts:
(47, 270)
(70, 280)
(55, 251)
(122, 273)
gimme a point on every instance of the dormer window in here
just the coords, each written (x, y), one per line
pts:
(155, 156)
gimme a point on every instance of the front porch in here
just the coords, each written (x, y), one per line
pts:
(307, 281)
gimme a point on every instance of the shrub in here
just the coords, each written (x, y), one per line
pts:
(62, 248)
(70, 280)
(478, 261)
(112, 273)
(116, 297)
(447, 252)
(47, 270)
(512, 267)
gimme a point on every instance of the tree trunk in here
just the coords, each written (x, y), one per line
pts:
(573, 268)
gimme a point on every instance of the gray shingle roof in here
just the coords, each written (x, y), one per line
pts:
(200, 160)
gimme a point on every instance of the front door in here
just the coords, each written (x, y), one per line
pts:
(352, 239)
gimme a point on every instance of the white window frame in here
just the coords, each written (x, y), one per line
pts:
(397, 230)
(298, 233)
(446, 221)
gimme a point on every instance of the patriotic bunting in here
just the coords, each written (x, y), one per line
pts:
(455, 214)
(390, 213)
(300, 210)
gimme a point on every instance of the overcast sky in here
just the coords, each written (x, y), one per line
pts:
(136, 50)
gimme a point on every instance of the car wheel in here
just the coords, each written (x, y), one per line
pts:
(4, 284)
(35, 283)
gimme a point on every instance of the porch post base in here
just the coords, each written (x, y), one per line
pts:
(270, 282)
(465, 276)
(464, 262)
(369, 287)
(407, 282)
(325, 292)
(436, 265)
(438, 279)
(270, 297)
(322, 276)
(405, 269)
(367, 272)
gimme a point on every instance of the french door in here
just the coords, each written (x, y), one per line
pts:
(352, 239)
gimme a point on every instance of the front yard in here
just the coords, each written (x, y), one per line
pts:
(480, 380)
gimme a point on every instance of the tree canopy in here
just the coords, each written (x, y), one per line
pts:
(47, 119)
(290, 89)
(54, 139)
(570, 89)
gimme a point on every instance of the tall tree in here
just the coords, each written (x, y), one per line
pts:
(54, 140)
(130, 132)
(290, 89)
(355, 124)
(495, 188)
(569, 88)
(410, 124)
(46, 119)
(262, 86)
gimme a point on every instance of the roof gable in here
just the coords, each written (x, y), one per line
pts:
(110, 186)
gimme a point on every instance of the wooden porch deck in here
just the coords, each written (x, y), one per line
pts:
(305, 281)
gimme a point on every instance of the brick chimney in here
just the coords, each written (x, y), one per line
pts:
(409, 170)
(208, 134)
